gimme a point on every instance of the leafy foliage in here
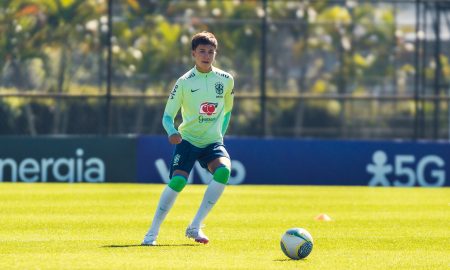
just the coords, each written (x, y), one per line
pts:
(314, 47)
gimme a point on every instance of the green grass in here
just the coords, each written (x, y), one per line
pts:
(100, 226)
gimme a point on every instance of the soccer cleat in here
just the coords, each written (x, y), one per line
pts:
(197, 234)
(149, 240)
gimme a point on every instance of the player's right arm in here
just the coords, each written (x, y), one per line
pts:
(172, 107)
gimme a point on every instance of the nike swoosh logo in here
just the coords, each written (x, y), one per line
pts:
(194, 90)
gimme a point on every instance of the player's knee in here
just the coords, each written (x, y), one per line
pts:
(177, 183)
(222, 174)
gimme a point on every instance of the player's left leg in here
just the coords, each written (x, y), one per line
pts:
(220, 167)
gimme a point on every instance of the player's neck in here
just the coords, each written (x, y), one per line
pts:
(203, 70)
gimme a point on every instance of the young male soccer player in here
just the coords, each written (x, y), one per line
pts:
(205, 96)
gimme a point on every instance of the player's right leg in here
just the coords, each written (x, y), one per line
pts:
(183, 160)
(168, 196)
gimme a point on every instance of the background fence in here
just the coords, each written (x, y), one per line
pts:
(324, 69)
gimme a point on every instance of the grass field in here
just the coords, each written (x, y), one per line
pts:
(100, 226)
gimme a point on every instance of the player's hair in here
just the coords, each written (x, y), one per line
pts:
(204, 38)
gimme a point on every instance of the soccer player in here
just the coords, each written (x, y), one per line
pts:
(205, 96)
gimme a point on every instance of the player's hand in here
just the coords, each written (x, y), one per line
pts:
(175, 138)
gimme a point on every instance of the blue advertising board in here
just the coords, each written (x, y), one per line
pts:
(311, 162)
(146, 159)
(67, 159)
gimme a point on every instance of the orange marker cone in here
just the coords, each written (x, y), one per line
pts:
(323, 217)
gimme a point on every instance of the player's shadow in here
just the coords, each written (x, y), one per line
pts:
(137, 245)
(285, 260)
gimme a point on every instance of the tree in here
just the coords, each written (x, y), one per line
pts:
(21, 44)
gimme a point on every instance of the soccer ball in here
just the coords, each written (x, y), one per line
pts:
(296, 243)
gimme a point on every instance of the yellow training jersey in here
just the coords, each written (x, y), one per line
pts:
(204, 99)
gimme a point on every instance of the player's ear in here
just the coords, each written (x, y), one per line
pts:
(193, 53)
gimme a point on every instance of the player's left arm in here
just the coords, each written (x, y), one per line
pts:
(228, 106)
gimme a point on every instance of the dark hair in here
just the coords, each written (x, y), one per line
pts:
(204, 38)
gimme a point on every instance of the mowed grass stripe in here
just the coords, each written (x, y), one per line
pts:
(100, 226)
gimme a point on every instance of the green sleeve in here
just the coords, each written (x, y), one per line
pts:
(226, 121)
(172, 106)
(229, 100)
(168, 124)
(175, 99)
(229, 97)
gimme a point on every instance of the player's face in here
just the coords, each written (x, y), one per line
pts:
(204, 56)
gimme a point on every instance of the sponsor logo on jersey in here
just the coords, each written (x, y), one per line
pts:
(173, 92)
(202, 119)
(192, 75)
(208, 108)
(223, 75)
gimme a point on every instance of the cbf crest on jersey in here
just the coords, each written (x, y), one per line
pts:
(219, 89)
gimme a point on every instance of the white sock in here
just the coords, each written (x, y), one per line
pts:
(212, 195)
(166, 201)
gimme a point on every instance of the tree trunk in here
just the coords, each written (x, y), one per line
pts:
(60, 86)
(22, 85)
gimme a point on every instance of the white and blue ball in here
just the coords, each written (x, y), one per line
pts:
(296, 243)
